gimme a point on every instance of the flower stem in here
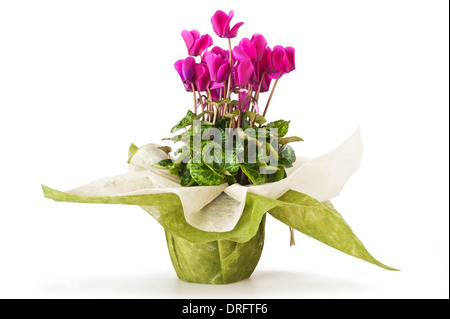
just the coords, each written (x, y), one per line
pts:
(271, 94)
(210, 108)
(219, 109)
(231, 68)
(242, 178)
(201, 102)
(259, 87)
(195, 99)
(229, 76)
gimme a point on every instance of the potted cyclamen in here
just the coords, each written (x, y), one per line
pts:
(232, 167)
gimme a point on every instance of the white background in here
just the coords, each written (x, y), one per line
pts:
(81, 80)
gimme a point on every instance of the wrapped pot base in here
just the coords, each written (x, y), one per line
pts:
(216, 262)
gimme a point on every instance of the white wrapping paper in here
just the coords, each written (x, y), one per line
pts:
(218, 208)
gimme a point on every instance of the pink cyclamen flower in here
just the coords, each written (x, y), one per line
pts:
(186, 70)
(221, 24)
(256, 79)
(215, 95)
(218, 67)
(201, 77)
(195, 43)
(251, 49)
(225, 54)
(243, 101)
(243, 72)
(278, 61)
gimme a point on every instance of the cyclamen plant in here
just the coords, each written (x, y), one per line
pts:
(215, 232)
(227, 139)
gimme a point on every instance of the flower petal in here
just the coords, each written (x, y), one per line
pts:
(202, 79)
(279, 59)
(188, 39)
(233, 32)
(290, 58)
(223, 72)
(247, 46)
(239, 54)
(260, 44)
(213, 62)
(201, 44)
(188, 68)
(244, 71)
(219, 20)
(179, 68)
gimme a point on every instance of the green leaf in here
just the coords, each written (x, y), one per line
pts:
(286, 140)
(288, 153)
(175, 170)
(131, 151)
(281, 126)
(223, 123)
(255, 117)
(230, 115)
(165, 149)
(287, 156)
(183, 158)
(175, 138)
(203, 113)
(203, 123)
(230, 180)
(231, 163)
(245, 122)
(186, 178)
(238, 143)
(284, 162)
(180, 150)
(165, 163)
(203, 175)
(252, 172)
(220, 162)
(257, 133)
(227, 101)
(270, 153)
(213, 157)
(275, 177)
(182, 123)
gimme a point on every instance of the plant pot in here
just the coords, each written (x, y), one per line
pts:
(217, 262)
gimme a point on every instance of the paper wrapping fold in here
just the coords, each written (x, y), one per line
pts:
(218, 208)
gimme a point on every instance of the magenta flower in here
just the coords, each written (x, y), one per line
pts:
(195, 43)
(225, 54)
(218, 67)
(243, 72)
(260, 44)
(251, 49)
(221, 24)
(215, 97)
(279, 61)
(243, 101)
(290, 57)
(201, 77)
(256, 79)
(186, 70)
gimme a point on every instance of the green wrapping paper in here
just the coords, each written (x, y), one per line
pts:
(318, 220)
(216, 262)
